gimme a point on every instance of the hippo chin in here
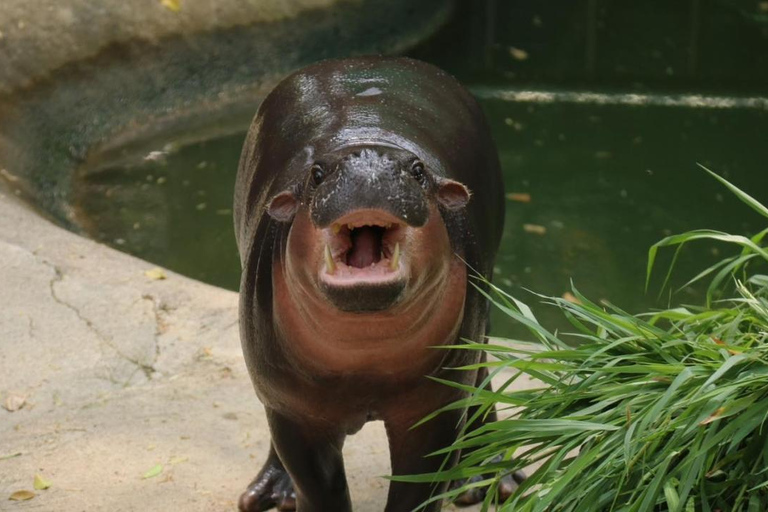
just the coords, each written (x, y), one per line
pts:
(366, 189)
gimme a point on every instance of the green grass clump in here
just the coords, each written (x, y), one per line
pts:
(659, 411)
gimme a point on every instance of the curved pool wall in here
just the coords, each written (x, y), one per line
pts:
(82, 82)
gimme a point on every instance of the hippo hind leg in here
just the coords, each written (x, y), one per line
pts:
(506, 487)
(272, 488)
(508, 483)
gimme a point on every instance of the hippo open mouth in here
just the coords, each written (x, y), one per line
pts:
(364, 268)
(363, 246)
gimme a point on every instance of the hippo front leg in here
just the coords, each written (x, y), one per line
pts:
(311, 455)
(409, 450)
(272, 488)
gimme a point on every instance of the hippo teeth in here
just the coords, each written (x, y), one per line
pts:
(395, 262)
(362, 245)
(330, 266)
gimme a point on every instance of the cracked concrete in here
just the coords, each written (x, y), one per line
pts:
(108, 360)
(106, 342)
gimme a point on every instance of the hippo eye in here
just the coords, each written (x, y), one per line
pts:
(417, 171)
(318, 174)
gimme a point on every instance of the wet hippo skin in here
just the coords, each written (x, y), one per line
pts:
(368, 191)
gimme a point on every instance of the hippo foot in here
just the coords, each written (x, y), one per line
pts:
(507, 486)
(272, 488)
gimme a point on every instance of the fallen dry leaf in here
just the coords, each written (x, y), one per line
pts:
(41, 483)
(520, 197)
(715, 415)
(7, 175)
(536, 229)
(156, 274)
(518, 54)
(172, 5)
(731, 351)
(21, 496)
(14, 402)
(571, 298)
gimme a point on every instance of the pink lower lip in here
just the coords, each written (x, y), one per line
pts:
(377, 273)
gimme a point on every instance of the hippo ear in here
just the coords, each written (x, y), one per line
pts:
(283, 206)
(452, 194)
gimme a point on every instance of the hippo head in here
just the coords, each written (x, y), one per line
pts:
(366, 230)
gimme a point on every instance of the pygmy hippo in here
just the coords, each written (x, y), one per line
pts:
(368, 190)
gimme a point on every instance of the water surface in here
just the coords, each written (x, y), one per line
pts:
(590, 189)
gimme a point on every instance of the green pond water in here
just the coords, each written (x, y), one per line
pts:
(604, 183)
(593, 185)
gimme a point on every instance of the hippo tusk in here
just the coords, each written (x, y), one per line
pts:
(395, 257)
(330, 266)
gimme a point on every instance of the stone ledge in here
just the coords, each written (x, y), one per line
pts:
(83, 28)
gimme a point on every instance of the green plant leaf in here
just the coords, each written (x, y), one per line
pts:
(743, 196)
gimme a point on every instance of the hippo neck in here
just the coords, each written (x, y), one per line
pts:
(324, 340)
